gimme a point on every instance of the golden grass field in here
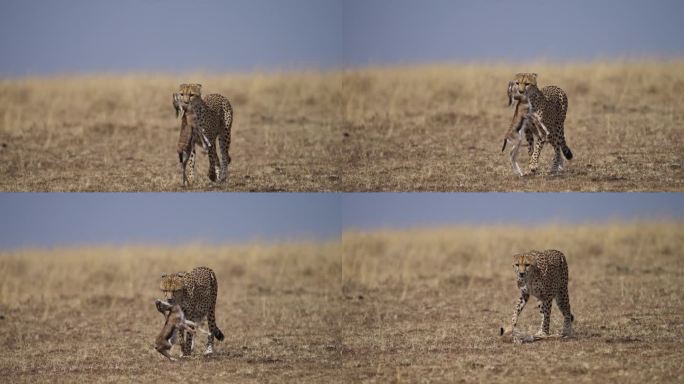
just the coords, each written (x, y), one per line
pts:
(425, 128)
(386, 306)
(441, 128)
(87, 314)
(426, 305)
(119, 133)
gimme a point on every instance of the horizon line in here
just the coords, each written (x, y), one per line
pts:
(409, 64)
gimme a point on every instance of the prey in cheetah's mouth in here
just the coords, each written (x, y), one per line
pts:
(178, 106)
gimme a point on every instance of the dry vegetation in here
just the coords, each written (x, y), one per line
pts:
(119, 133)
(441, 128)
(87, 314)
(420, 305)
(426, 305)
(404, 129)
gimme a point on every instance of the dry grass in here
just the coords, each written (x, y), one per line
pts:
(405, 129)
(119, 133)
(426, 305)
(420, 305)
(440, 128)
(87, 314)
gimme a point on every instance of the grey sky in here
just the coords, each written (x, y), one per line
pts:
(408, 31)
(406, 210)
(51, 219)
(72, 219)
(72, 36)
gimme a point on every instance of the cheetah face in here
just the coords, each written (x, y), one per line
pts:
(169, 284)
(188, 92)
(524, 266)
(522, 82)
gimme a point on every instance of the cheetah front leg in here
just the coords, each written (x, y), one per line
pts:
(534, 160)
(524, 297)
(181, 341)
(545, 310)
(186, 346)
(190, 167)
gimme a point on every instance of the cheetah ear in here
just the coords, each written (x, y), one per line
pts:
(534, 76)
(180, 274)
(163, 275)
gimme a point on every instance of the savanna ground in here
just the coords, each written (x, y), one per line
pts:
(426, 128)
(426, 305)
(87, 314)
(119, 133)
(441, 128)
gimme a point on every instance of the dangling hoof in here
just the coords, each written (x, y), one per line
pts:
(209, 351)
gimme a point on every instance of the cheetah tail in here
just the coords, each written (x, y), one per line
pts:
(218, 334)
(504, 146)
(566, 151)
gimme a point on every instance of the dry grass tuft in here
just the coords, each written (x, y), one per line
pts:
(426, 305)
(87, 314)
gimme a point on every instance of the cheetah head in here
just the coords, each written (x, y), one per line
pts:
(521, 83)
(188, 92)
(524, 265)
(171, 283)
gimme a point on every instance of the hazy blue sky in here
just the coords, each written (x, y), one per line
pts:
(169, 35)
(408, 31)
(405, 210)
(44, 36)
(48, 219)
(39, 219)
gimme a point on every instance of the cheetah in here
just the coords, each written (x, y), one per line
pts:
(196, 293)
(211, 117)
(524, 124)
(543, 275)
(550, 105)
(175, 321)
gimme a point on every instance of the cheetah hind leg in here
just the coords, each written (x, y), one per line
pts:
(563, 302)
(557, 164)
(224, 144)
(213, 164)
